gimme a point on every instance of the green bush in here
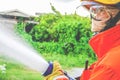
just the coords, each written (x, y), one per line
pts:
(64, 34)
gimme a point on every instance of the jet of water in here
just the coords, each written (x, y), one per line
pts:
(13, 47)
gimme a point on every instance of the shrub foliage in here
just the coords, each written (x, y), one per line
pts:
(56, 33)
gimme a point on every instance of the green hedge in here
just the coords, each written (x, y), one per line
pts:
(64, 34)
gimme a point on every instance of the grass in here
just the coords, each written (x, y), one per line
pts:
(21, 74)
(68, 61)
(16, 71)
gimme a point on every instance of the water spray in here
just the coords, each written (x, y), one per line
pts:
(12, 46)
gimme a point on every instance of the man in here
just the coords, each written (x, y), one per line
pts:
(105, 16)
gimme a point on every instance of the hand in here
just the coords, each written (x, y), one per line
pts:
(55, 72)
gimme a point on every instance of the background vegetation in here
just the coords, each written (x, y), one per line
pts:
(56, 33)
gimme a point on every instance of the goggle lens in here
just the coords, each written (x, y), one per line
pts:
(97, 11)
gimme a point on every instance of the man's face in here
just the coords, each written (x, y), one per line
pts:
(100, 15)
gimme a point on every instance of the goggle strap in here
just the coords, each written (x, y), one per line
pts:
(94, 18)
(112, 22)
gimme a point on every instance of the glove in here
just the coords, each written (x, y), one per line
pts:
(55, 72)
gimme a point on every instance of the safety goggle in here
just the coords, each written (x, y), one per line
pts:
(99, 10)
(96, 9)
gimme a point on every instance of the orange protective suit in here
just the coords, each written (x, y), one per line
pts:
(106, 45)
